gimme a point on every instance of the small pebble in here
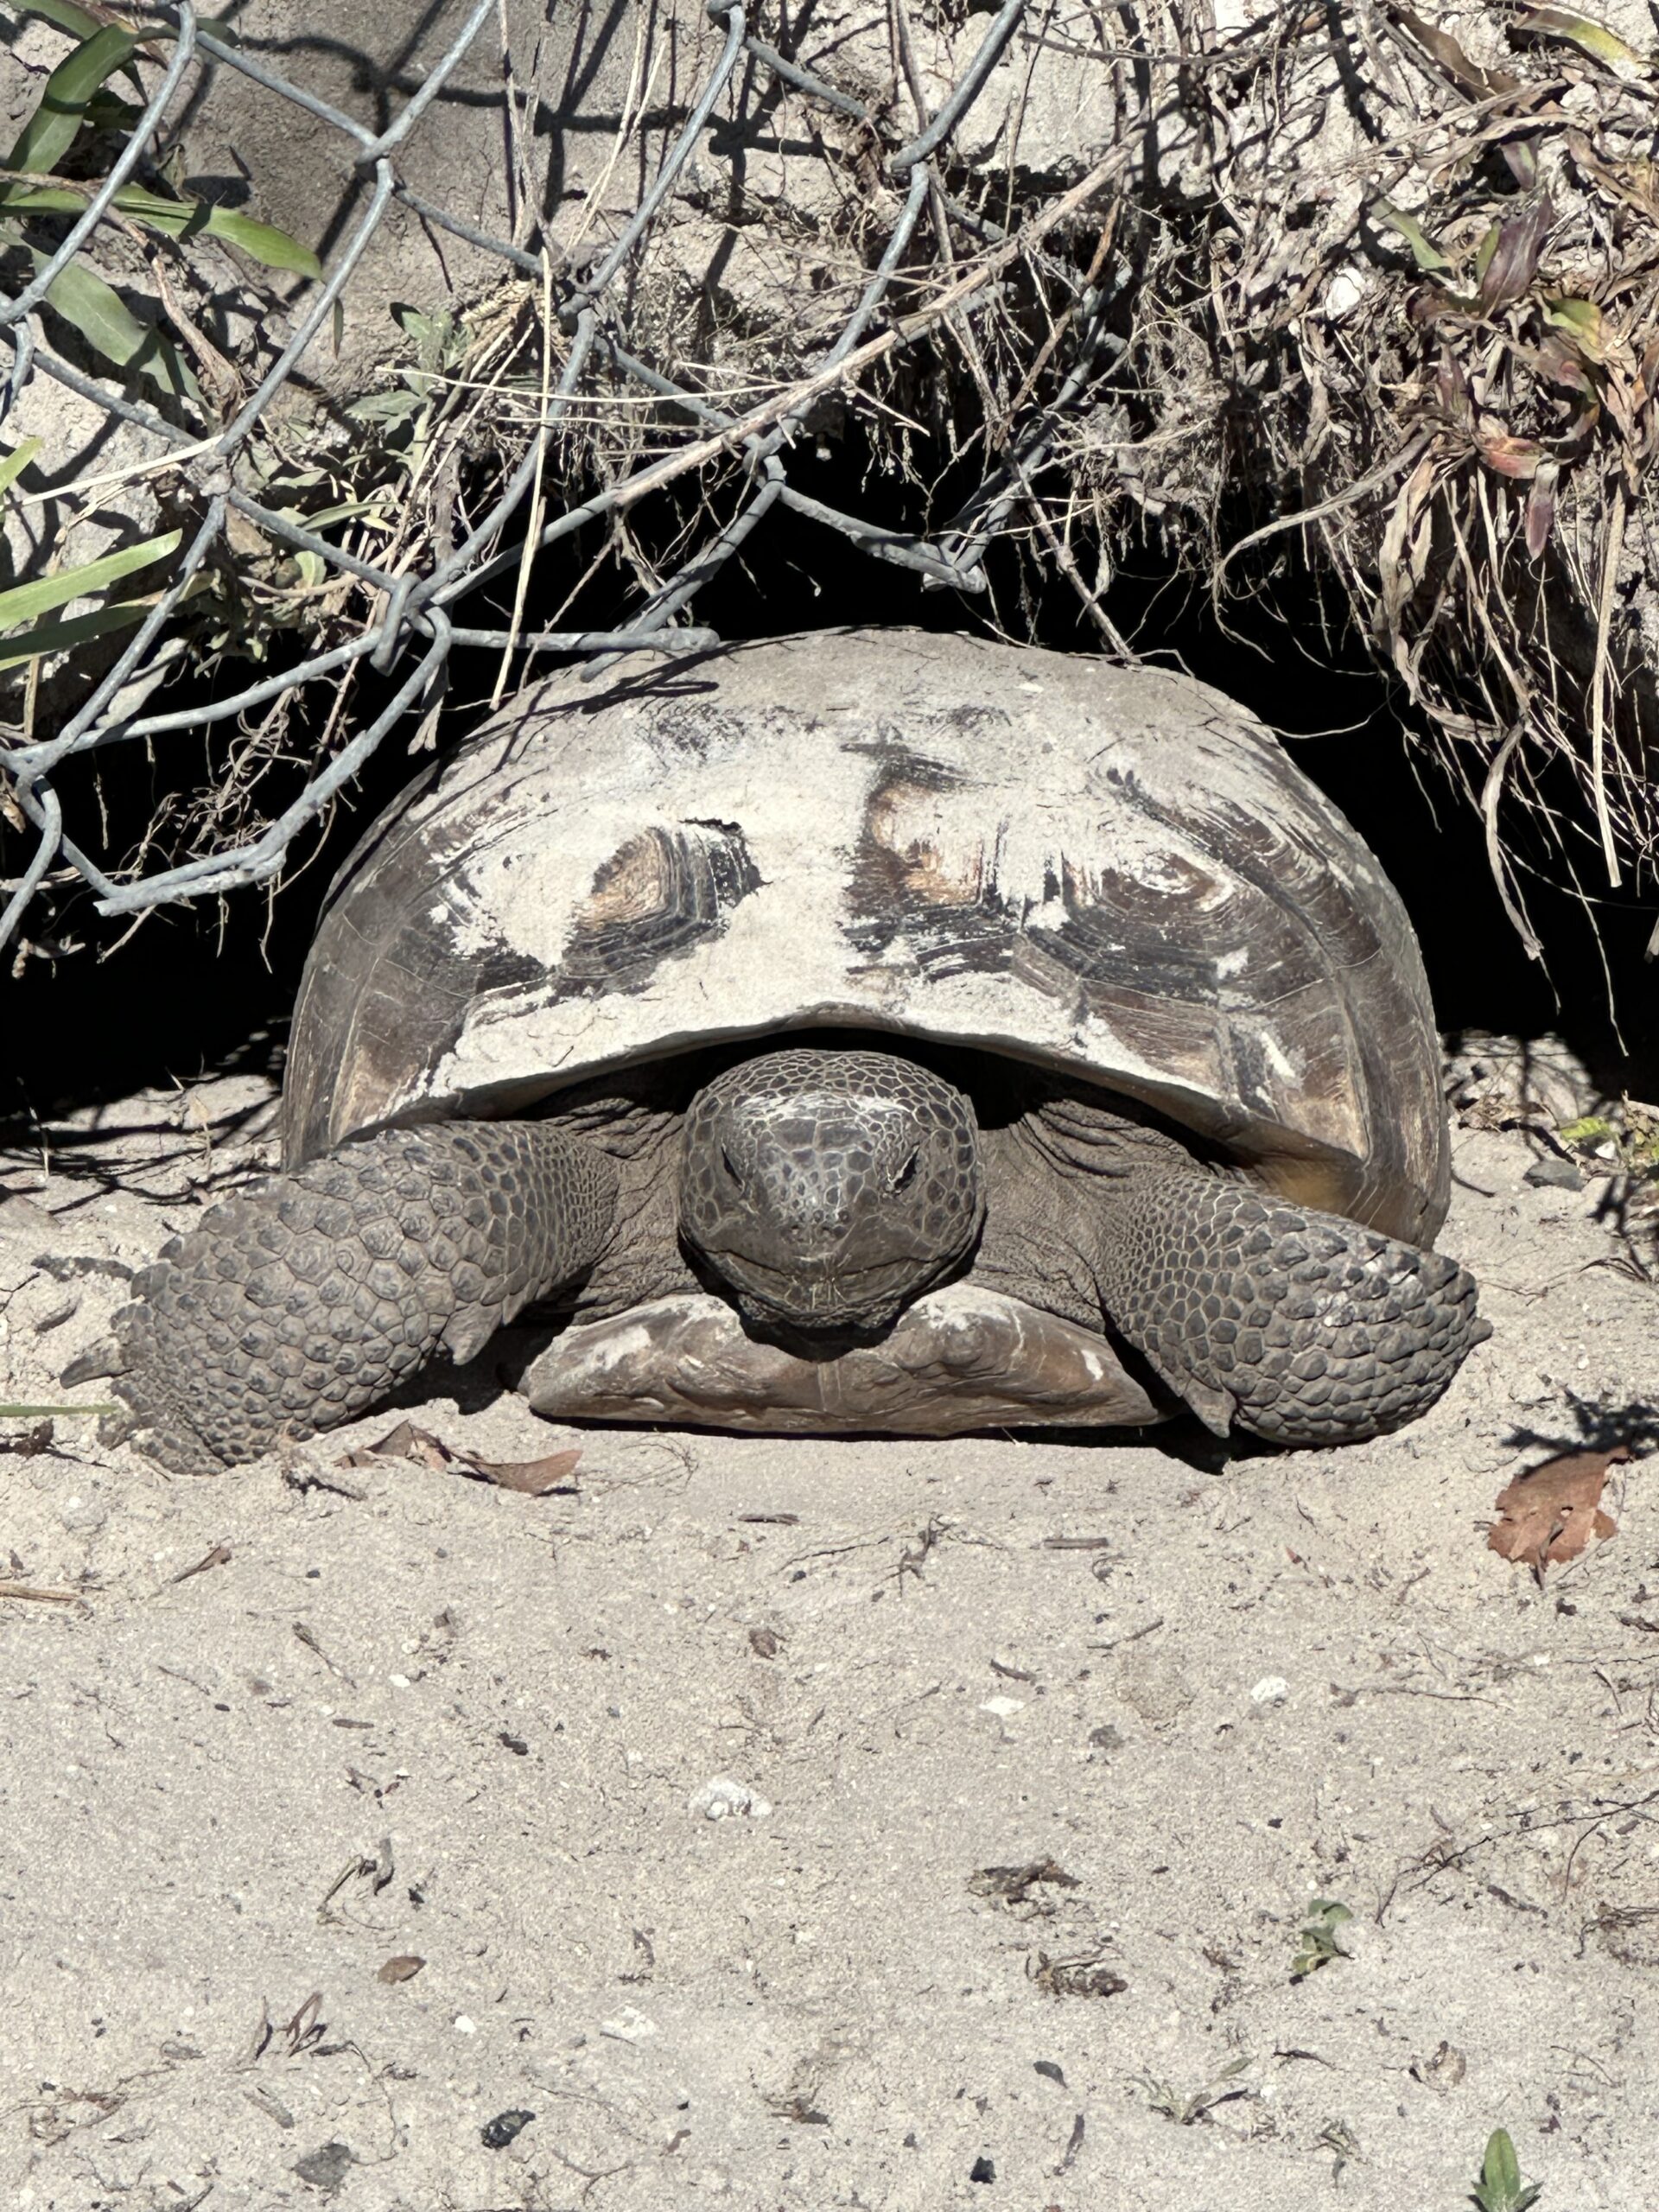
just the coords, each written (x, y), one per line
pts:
(1553, 1174)
(496, 2134)
(630, 2025)
(326, 2167)
(722, 1799)
(1272, 1689)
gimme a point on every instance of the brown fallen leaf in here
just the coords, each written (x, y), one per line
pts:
(403, 1442)
(403, 1967)
(1549, 1513)
(534, 1478)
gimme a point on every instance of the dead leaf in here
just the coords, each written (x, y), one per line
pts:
(1541, 507)
(1502, 450)
(534, 1478)
(403, 1442)
(403, 1967)
(1483, 83)
(1509, 258)
(1550, 1512)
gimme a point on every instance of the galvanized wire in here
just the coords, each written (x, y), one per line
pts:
(414, 618)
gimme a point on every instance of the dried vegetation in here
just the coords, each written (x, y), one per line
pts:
(1373, 287)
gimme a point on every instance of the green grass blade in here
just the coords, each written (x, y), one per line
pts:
(1424, 251)
(64, 15)
(174, 218)
(275, 248)
(15, 461)
(23, 602)
(50, 638)
(55, 124)
(109, 326)
(37, 1413)
(1590, 37)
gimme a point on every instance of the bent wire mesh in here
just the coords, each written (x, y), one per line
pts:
(415, 619)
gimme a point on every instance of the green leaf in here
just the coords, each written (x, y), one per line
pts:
(15, 461)
(110, 326)
(1581, 319)
(24, 601)
(174, 218)
(1424, 251)
(1590, 37)
(1501, 2170)
(275, 248)
(65, 16)
(49, 638)
(385, 407)
(1591, 1129)
(55, 124)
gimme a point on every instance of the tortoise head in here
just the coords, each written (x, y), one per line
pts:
(828, 1189)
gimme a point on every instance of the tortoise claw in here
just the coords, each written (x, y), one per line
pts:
(94, 1364)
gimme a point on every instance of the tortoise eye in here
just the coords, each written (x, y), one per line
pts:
(906, 1174)
(729, 1164)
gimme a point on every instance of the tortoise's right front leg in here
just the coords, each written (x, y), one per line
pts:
(301, 1302)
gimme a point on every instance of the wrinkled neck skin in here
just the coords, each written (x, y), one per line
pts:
(1055, 1161)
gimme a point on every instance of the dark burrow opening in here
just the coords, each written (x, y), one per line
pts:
(205, 990)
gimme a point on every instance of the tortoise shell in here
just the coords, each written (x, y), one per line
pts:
(1112, 872)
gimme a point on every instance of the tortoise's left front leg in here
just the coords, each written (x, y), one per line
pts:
(1298, 1326)
(301, 1302)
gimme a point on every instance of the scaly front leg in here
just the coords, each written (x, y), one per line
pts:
(301, 1302)
(1300, 1327)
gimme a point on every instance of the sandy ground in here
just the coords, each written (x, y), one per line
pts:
(264, 1734)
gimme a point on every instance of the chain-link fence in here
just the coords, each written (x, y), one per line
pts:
(417, 620)
(1233, 280)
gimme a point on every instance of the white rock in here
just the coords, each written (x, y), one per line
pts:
(1272, 1689)
(1342, 295)
(721, 1798)
(630, 2025)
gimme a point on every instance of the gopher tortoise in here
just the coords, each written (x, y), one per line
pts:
(867, 1030)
